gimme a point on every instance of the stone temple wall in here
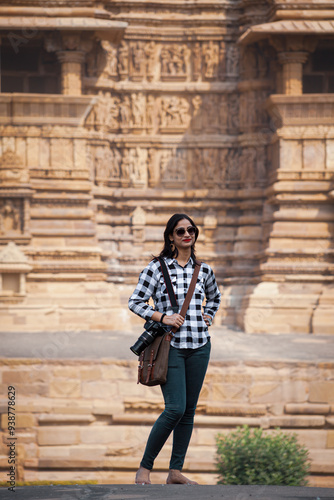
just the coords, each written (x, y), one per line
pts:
(80, 420)
(163, 108)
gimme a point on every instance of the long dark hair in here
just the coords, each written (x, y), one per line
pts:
(172, 252)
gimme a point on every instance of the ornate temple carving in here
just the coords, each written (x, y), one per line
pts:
(173, 167)
(197, 60)
(202, 111)
(12, 170)
(174, 113)
(138, 60)
(123, 60)
(10, 216)
(210, 60)
(174, 61)
(138, 102)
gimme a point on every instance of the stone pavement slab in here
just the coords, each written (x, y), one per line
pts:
(228, 345)
(167, 492)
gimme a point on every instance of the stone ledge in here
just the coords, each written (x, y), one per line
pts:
(49, 419)
(318, 465)
(300, 421)
(307, 409)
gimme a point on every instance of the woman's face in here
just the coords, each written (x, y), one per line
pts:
(185, 240)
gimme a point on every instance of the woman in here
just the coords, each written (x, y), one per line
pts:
(190, 346)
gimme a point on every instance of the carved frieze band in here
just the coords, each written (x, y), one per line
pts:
(177, 113)
(178, 167)
(162, 61)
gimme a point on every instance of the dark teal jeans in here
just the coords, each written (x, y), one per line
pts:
(186, 372)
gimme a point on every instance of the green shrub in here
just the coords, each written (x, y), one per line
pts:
(249, 457)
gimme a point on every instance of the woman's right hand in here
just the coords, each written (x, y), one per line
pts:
(174, 320)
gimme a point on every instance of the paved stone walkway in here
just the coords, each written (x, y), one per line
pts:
(228, 345)
(164, 492)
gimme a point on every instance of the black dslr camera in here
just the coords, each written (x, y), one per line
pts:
(153, 329)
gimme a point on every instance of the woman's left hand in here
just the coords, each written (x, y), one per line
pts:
(207, 319)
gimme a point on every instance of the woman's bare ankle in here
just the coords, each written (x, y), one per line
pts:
(143, 476)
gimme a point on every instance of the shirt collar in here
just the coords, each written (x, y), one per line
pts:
(170, 261)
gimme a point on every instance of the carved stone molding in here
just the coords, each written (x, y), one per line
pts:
(303, 110)
(21, 109)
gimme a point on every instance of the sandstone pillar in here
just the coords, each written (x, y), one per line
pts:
(292, 52)
(292, 78)
(71, 69)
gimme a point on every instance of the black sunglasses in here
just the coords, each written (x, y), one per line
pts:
(181, 231)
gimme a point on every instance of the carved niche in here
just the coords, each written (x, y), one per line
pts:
(14, 266)
(15, 195)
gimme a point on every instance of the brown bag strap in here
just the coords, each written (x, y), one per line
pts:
(190, 293)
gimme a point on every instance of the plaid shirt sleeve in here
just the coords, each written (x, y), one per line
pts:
(212, 294)
(146, 288)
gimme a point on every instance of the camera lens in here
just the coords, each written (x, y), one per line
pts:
(143, 341)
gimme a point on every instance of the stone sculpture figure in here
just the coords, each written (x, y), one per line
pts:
(211, 166)
(150, 51)
(103, 162)
(125, 112)
(211, 59)
(10, 218)
(138, 58)
(261, 173)
(233, 167)
(223, 166)
(212, 111)
(126, 165)
(123, 59)
(197, 60)
(173, 60)
(174, 112)
(232, 60)
(197, 113)
(233, 113)
(115, 170)
(113, 112)
(150, 111)
(151, 167)
(222, 61)
(109, 59)
(138, 102)
(197, 167)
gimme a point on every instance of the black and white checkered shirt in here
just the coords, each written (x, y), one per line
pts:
(194, 332)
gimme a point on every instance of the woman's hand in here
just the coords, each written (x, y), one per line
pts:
(174, 320)
(207, 319)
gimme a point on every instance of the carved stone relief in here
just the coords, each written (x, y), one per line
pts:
(211, 106)
(197, 60)
(10, 216)
(12, 169)
(123, 60)
(174, 113)
(174, 61)
(138, 102)
(120, 167)
(148, 60)
(197, 115)
(138, 60)
(210, 60)
(232, 60)
(173, 167)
